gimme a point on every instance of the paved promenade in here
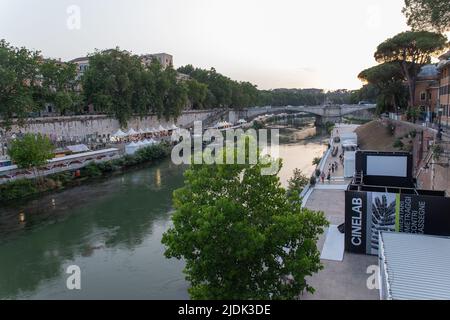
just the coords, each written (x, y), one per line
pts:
(339, 280)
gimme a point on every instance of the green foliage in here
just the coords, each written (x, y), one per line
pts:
(18, 82)
(221, 91)
(197, 93)
(241, 235)
(388, 79)
(316, 161)
(398, 143)
(436, 151)
(411, 50)
(297, 182)
(117, 83)
(17, 189)
(31, 151)
(433, 15)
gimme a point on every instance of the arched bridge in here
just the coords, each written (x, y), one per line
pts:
(323, 113)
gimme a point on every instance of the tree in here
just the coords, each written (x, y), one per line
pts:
(18, 82)
(59, 86)
(197, 93)
(31, 151)
(241, 235)
(297, 182)
(411, 50)
(431, 15)
(388, 79)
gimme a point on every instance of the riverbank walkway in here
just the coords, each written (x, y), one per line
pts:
(346, 279)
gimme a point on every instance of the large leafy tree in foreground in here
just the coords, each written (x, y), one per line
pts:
(432, 15)
(241, 235)
(411, 50)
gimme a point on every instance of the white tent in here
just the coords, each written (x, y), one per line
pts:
(131, 148)
(148, 130)
(161, 128)
(141, 131)
(173, 127)
(153, 141)
(349, 164)
(140, 144)
(242, 121)
(119, 134)
(131, 132)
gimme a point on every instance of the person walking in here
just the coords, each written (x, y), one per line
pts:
(322, 177)
(332, 167)
(329, 177)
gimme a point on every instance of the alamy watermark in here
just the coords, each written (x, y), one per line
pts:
(73, 281)
(73, 21)
(232, 146)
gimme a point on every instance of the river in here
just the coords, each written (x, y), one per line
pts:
(112, 230)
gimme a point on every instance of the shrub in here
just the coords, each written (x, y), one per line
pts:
(91, 170)
(398, 144)
(316, 161)
(17, 189)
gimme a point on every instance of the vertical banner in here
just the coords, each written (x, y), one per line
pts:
(368, 213)
(355, 221)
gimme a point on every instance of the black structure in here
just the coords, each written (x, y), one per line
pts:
(383, 197)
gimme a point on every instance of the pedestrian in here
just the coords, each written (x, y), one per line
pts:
(332, 167)
(336, 165)
(329, 177)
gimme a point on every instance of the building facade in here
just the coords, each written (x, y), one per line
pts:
(164, 59)
(444, 84)
(427, 91)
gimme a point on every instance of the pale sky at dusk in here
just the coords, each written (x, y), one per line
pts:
(272, 43)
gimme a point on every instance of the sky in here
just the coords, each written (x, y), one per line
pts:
(271, 43)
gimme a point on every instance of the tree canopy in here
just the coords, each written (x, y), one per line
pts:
(31, 151)
(430, 15)
(411, 50)
(118, 83)
(18, 79)
(241, 235)
(388, 79)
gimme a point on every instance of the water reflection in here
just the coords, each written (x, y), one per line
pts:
(117, 215)
(111, 229)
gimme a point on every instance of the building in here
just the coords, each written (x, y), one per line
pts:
(444, 84)
(164, 59)
(427, 90)
(414, 267)
(82, 64)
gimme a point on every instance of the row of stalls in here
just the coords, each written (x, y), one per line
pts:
(132, 134)
(132, 147)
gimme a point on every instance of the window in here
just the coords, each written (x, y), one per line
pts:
(423, 96)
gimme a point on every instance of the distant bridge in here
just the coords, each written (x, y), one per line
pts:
(323, 113)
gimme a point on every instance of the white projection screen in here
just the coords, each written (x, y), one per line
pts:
(394, 166)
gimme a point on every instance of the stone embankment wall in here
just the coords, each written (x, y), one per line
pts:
(80, 127)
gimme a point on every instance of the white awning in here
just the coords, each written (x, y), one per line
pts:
(119, 134)
(131, 132)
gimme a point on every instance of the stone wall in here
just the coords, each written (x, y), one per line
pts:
(80, 127)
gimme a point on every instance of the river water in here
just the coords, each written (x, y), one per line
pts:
(112, 230)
